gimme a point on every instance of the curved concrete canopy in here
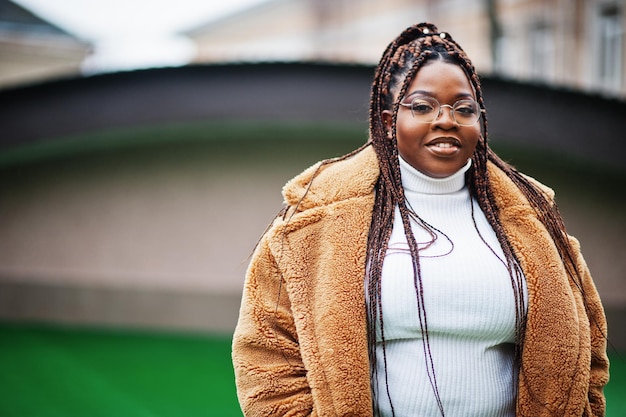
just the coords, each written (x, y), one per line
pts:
(562, 121)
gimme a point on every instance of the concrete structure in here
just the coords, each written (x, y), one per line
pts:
(135, 199)
(33, 50)
(347, 31)
(573, 44)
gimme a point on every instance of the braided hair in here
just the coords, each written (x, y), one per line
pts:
(399, 64)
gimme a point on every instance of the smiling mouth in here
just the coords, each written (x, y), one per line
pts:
(444, 146)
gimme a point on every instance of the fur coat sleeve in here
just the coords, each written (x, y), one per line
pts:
(271, 376)
(300, 346)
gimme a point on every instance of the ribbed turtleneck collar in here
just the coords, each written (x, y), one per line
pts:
(414, 180)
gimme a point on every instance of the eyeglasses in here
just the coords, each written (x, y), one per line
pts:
(427, 110)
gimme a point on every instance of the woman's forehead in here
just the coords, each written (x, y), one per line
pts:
(440, 77)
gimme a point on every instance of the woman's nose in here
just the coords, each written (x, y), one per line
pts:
(445, 117)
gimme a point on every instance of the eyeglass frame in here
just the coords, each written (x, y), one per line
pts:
(441, 106)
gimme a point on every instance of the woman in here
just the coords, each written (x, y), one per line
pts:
(420, 275)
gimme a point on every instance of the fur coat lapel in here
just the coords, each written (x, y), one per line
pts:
(557, 347)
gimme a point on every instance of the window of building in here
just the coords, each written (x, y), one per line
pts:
(541, 50)
(610, 46)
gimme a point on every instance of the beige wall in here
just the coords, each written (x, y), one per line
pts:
(145, 220)
(153, 236)
(23, 65)
(571, 42)
(32, 57)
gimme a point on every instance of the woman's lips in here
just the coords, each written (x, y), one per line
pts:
(444, 146)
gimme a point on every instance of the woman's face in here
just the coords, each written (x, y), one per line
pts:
(440, 148)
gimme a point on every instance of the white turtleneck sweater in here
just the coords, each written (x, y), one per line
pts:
(469, 303)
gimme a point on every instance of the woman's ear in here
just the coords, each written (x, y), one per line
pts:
(388, 122)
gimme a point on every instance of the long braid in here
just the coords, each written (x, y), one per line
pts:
(403, 58)
(389, 195)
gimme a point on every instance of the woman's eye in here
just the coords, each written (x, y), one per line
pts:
(465, 110)
(422, 107)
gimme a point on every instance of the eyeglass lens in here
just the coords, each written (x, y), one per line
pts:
(427, 110)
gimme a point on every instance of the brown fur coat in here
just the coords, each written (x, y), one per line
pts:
(300, 346)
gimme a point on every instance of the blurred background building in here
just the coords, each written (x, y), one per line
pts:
(576, 44)
(135, 198)
(33, 49)
(568, 43)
